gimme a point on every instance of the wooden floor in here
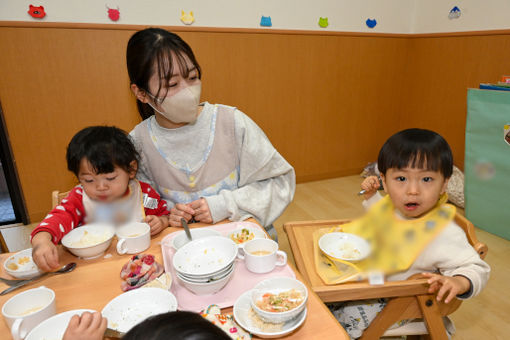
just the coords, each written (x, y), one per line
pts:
(486, 316)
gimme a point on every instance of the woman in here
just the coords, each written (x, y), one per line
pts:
(209, 162)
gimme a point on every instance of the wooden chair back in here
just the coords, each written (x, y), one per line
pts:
(57, 197)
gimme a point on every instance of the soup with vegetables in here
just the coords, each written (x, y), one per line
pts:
(281, 302)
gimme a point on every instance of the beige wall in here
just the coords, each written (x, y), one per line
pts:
(326, 101)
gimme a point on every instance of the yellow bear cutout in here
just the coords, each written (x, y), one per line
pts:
(187, 18)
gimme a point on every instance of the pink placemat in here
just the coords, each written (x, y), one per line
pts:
(241, 281)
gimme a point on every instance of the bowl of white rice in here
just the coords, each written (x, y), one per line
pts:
(344, 246)
(89, 241)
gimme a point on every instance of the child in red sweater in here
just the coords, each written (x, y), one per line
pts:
(105, 161)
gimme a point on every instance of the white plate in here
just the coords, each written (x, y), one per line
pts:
(257, 233)
(129, 309)
(242, 316)
(344, 246)
(54, 327)
(26, 270)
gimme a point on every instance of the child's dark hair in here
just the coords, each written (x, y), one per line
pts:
(416, 148)
(176, 325)
(104, 147)
(149, 51)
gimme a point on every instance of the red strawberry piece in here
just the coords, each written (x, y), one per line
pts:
(149, 259)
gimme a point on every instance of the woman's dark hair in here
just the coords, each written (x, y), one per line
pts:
(104, 147)
(176, 325)
(150, 51)
(416, 148)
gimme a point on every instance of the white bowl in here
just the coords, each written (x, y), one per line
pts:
(243, 316)
(209, 278)
(89, 241)
(21, 265)
(54, 327)
(205, 257)
(252, 232)
(276, 285)
(181, 239)
(129, 309)
(344, 246)
(208, 287)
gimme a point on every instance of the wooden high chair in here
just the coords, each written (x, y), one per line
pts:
(57, 197)
(407, 299)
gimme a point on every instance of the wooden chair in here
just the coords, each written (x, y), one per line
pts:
(408, 299)
(3, 244)
(57, 197)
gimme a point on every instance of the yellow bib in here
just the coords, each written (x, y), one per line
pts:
(395, 243)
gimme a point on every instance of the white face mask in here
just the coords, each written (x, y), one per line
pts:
(182, 107)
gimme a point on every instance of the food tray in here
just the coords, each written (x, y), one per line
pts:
(242, 280)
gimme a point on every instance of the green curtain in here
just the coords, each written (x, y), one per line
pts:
(487, 161)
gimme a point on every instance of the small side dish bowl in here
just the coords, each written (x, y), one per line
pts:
(21, 265)
(181, 239)
(89, 241)
(344, 246)
(130, 308)
(244, 234)
(54, 327)
(279, 293)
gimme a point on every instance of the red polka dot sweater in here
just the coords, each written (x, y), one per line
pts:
(70, 213)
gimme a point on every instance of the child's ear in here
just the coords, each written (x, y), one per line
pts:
(133, 169)
(140, 94)
(445, 185)
(383, 180)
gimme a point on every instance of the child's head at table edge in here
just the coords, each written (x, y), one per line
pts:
(104, 159)
(415, 166)
(176, 325)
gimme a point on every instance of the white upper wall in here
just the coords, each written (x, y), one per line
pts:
(475, 15)
(393, 16)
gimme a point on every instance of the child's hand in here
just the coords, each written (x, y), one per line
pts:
(180, 211)
(370, 185)
(88, 326)
(44, 252)
(202, 212)
(450, 285)
(157, 223)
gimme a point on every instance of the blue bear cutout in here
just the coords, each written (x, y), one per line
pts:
(265, 21)
(371, 23)
(454, 13)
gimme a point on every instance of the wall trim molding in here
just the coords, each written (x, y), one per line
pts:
(73, 25)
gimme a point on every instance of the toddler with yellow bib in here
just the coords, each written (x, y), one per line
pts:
(415, 166)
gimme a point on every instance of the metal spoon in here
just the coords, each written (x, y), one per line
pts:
(10, 282)
(112, 333)
(65, 269)
(186, 229)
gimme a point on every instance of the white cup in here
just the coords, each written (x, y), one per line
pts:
(133, 238)
(26, 310)
(261, 255)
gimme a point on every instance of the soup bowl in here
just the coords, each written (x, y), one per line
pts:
(297, 297)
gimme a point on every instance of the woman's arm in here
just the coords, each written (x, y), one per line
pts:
(266, 180)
